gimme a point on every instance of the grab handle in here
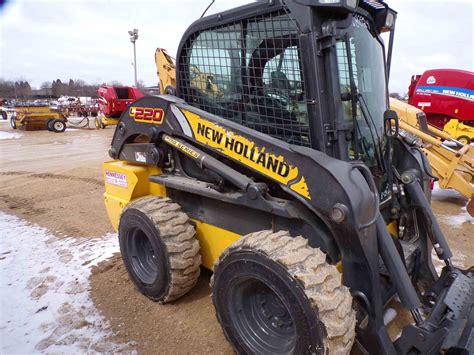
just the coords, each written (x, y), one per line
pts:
(367, 175)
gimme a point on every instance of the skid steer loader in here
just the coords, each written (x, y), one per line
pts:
(292, 185)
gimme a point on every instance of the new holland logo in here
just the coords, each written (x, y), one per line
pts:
(246, 151)
(147, 114)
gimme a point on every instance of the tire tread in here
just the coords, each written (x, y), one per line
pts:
(321, 282)
(178, 236)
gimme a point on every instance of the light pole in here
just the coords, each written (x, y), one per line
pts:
(133, 38)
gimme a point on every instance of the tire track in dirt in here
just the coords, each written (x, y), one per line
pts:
(54, 176)
(67, 203)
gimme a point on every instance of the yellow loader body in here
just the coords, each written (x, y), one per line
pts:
(125, 182)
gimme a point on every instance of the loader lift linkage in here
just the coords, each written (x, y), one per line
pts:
(279, 132)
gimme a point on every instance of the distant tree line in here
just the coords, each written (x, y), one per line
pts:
(20, 89)
(56, 88)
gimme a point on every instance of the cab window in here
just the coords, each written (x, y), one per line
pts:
(250, 72)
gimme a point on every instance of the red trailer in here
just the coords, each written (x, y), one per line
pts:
(113, 100)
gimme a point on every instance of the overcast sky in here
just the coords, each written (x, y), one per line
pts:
(42, 40)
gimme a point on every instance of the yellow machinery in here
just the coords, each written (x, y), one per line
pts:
(34, 118)
(452, 162)
(455, 128)
(101, 121)
(256, 172)
(453, 167)
(166, 72)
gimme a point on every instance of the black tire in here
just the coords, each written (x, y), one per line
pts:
(48, 124)
(159, 248)
(170, 90)
(4, 116)
(58, 126)
(464, 139)
(274, 294)
(12, 122)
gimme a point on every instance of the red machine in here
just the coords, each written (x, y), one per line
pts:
(113, 100)
(444, 94)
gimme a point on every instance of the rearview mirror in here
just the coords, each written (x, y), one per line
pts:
(391, 123)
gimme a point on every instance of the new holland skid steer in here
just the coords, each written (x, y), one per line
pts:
(291, 183)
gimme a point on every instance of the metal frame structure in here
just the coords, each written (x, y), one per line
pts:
(215, 165)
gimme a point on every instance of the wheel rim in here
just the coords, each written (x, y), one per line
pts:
(58, 126)
(142, 256)
(259, 315)
(463, 140)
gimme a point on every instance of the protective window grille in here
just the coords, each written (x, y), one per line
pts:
(344, 74)
(250, 72)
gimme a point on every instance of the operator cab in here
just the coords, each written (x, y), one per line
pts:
(325, 89)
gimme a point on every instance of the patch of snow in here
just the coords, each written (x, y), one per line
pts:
(457, 221)
(440, 194)
(389, 315)
(8, 135)
(458, 260)
(45, 303)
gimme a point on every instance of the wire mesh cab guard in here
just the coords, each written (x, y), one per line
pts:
(250, 72)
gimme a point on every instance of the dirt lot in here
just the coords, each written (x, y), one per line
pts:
(54, 181)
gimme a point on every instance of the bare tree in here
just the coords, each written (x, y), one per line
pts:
(46, 85)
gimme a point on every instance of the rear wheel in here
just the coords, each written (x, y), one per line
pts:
(159, 248)
(464, 139)
(58, 126)
(275, 294)
(48, 124)
(3, 114)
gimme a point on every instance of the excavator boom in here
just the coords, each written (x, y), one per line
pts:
(452, 162)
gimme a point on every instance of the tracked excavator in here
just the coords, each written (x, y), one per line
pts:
(294, 187)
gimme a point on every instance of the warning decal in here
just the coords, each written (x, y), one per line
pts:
(117, 179)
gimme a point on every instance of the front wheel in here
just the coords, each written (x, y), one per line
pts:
(273, 294)
(3, 114)
(159, 248)
(12, 122)
(98, 123)
(464, 140)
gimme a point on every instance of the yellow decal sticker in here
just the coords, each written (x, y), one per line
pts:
(301, 188)
(184, 148)
(245, 151)
(147, 114)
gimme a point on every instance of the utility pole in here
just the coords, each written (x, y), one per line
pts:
(133, 38)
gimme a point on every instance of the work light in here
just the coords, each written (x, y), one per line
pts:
(350, 4)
